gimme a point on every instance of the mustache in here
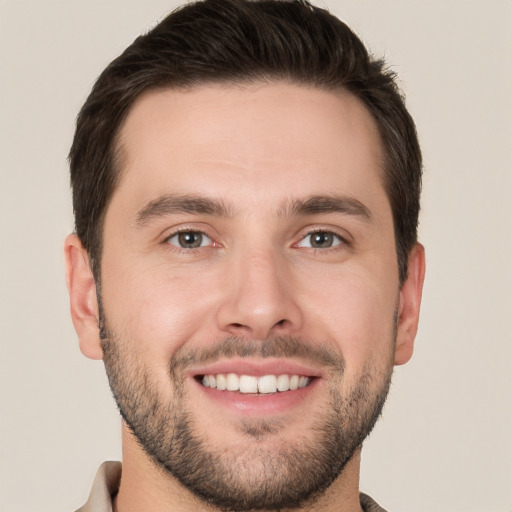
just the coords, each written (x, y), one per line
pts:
(277, 347)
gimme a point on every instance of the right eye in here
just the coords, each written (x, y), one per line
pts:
(189, 240)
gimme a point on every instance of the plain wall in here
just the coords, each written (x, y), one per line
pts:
(445, 440)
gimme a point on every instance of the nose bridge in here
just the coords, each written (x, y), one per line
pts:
(260, 284)
(260, 297)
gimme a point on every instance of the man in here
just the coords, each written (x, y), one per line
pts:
(246, 192)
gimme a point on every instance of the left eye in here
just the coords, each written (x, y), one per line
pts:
(189, 240)
(320, 240)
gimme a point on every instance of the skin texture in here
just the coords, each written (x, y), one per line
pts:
(263, 154)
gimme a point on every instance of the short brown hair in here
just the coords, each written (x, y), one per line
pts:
(240, 41)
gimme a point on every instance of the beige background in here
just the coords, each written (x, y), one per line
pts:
(445, 442)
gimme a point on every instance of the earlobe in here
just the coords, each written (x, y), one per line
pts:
(409, 305)
(82, 297)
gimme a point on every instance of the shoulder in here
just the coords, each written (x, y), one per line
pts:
(369, 505)
(105, 486)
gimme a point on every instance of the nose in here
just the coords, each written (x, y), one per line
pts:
(260, 298)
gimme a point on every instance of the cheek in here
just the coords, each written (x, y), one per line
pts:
(356, 312)
(159, 307)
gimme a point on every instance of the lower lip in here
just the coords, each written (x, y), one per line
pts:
(259, 404)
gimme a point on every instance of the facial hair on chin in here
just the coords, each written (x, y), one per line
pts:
(255, 477)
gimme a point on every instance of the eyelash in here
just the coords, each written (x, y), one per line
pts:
(341, 240)
(338, 240)
(167, 239)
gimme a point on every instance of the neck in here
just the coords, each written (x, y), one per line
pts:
(145, 486)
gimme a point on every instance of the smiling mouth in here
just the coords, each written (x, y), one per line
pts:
(266, 384)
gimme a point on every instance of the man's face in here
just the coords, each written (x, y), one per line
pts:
(250, 243)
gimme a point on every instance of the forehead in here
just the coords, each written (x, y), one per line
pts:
(248, 140)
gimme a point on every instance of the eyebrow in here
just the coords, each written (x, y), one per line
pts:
(170, 204)
(173, 203)
(327, 204)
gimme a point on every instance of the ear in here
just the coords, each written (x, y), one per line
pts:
(409, 305)
(82, 297)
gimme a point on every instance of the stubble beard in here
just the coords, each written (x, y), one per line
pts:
(258, 476)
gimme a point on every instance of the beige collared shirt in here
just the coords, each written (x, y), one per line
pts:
(104, 488)
(108, 477)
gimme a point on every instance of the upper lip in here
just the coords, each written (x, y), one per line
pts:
(256, 367)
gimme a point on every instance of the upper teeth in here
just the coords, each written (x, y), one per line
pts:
(251, 384)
